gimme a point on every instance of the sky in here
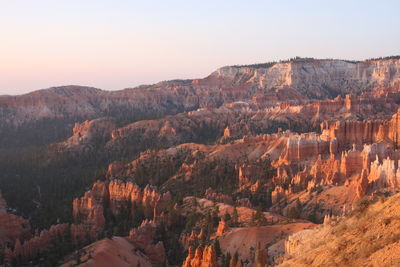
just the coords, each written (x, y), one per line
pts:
(118, 44)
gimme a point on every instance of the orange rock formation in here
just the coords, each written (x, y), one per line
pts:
(201, 257)
(89, 208)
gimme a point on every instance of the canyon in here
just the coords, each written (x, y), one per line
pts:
(249, 166)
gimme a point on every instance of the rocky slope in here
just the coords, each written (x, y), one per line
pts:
(369, 237)
(228, 122)
(316, 78)
(108, 252)
(295, 81)
(244, 241)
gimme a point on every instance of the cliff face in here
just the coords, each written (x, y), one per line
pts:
(115, 196)
(88, 134)
(260, 242)
(76, 102)
(202, 257)
(89, 208)
(351, 132)
(385, 174)
(303, 147)
(315, 78)
(236, 120)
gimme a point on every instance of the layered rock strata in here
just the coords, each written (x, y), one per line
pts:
(115, 195)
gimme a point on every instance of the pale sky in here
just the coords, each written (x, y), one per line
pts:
(117, 44)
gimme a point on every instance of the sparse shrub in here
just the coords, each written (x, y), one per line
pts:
(362, 205)
(369, 248)
(394, 238)
(340, 229)
(386, 221)
(294, 212)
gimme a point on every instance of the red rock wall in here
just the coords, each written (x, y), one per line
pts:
(89, 209)
(352, 132)
(202, 257)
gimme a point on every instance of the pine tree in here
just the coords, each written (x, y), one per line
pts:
(235, 217)
(228, 259)
(217, 246)
(227, 217)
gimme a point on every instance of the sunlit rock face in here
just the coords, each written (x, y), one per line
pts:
(294, 80)
(316, 78)
(89, 133)
(89, 208)
(116, 196)
(201, 257)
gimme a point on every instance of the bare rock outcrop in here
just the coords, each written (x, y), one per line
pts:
(294, 80)
(222, 227)
(142, 238)
(89, 209)
(188, 240)
(201, 257)
(92, 131)
(310, 76)
(352, 132)
(188, 261)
